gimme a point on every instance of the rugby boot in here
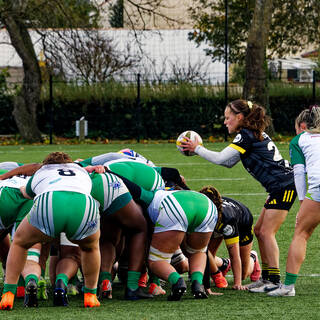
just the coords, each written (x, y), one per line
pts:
(156, 290)
(106, 289)
(136, 294)
(197, 290)
(42, 290)
(6, 302)
(91, 300)
(283, 291)
(60, 297)
(20, 292)
(219, 280)
(256, 273)
(226, 270)
(142, 282)
(31, 294)
(177, 290)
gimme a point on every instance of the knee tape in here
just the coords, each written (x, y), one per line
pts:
(192, 251)
(156, 255)
(177, 257)
(33, 255)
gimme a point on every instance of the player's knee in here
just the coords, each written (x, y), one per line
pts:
(156, 255)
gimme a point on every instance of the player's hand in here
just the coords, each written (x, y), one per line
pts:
(212, 293)
(188, 145)
(239, 287)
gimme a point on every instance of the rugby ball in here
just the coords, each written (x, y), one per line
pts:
(191, 135)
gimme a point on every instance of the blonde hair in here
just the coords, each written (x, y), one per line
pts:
(313, 120)
(302, 117)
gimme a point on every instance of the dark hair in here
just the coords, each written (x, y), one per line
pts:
(255, 117)
(214, 195)
(57, 157)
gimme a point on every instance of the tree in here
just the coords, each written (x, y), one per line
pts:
(294, 24)
(255, 86)
(257, 29)
(19, 15)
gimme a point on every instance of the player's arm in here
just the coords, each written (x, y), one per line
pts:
(228, 157)
(234, 253)
(26, 170)
(300, 181)
(27, 191)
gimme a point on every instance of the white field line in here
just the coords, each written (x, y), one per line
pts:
(208, 179)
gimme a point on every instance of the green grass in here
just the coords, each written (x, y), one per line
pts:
(235, 183)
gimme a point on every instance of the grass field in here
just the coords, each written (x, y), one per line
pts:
(235, 183)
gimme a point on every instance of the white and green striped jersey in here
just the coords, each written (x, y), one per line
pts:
(59, 177)
(110, 191)
(306, 150)
(139, 173)
(183, 210)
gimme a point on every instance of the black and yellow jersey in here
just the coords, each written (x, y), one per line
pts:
(263, 161)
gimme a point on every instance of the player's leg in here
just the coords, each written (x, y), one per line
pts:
(133, 221)
(110, 237)
(25, 236)
(31, 274)
(163, 245)
(308, 218)
(196, 247)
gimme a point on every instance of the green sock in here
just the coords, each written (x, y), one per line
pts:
(133, 278)
(9, 287)
(21, 282)
(197, 275)
(29, 277)
(43, 273)
(291, 278)
(63, 277)
(87, 290)
(174, 277)
(154, 279)
(104, 275)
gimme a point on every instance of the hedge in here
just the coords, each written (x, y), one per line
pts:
(162, 113)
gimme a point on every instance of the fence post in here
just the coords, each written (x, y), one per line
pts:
(226, 98)
(138, 107)
(50, 107)
(314, 86)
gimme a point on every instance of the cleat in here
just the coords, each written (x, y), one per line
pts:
(219, 280)
(60, 297)
(20, 292)
(6, 302)
(72, 290)
(106, 289)
(255, 284)
(283, 291)
(177, 290)
(142, 282)
(226, 270)
(256, 273)
(31, 295)
(42, 290)
(91, 300)
(265, 286)
(197, 290)
(156, 290)
(136, 294)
